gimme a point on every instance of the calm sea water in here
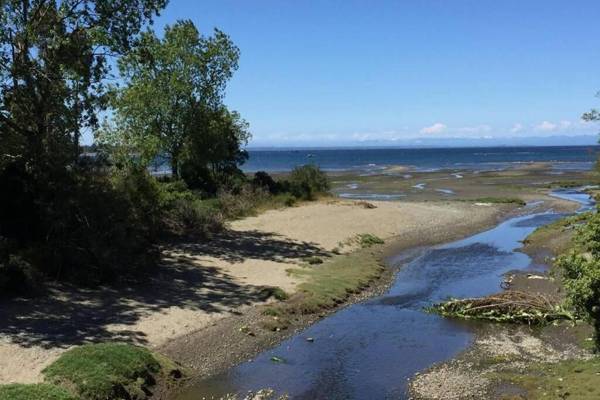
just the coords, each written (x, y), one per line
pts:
(423, 159)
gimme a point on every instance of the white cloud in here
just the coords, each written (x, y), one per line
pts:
(438, 127)
(475, 129)
(565, 124)
(546, 126)
(516, 128)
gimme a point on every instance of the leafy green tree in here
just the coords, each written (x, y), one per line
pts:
(62, 216)
(54, 56)
(215, 151)
(173, 86)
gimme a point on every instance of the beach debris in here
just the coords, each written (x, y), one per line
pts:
(509, 306)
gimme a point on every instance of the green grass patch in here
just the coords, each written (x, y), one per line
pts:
(368, 239)
(41, 391)
(575, 379)
(334, 281)
(274, 291)
(314, 260)
(109, 371)
(556, 236)
(325, 286)
(499, 200)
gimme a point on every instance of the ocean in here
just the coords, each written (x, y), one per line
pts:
(421, 159)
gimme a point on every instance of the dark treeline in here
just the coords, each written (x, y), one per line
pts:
(67, 216)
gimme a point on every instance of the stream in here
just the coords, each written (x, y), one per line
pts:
(371, 349)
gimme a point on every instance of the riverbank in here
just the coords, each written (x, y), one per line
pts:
(511, 361)
(199, 285)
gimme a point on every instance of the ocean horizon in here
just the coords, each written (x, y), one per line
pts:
(370, 159)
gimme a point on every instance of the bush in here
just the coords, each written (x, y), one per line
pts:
(105, 371)
(193, 217)
(307, 181)
(78, 226)
(101, 231)
(242, 203)
(581, 273)
(264, 181)
(41, 391)
(18, 276)
(368, 239)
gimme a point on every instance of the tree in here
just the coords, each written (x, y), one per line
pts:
(53, 60)
(213, 154)
(55, 56)
(172, 87)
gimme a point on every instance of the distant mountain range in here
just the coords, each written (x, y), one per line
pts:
(581, 140)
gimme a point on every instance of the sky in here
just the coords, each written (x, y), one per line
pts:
(347, 72)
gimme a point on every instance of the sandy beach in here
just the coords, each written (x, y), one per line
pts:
(201, 283)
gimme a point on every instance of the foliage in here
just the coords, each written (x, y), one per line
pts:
(368, 239)
(105, 371)
(40, 391)
(263, 180)
(193, 217)
(313, 260)
(63, 216)
(331, 283)
(243, 202)
(17, 276)
(567, 379)
(171, 104)
(580, 269)
(88, 228)
(211, 159)
(509, 306)
(307, 181)
(556, 236)
(53, 59)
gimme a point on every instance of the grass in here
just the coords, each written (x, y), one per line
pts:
(324, 287)
(499, 200)
(41, 391)
(575, 379)
(366, 240)
(109, 371)
(556, 236)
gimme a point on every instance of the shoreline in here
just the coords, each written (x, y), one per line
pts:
(217, 348)
(203, 284)
(498, 347)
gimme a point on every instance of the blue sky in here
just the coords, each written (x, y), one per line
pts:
(344, 71)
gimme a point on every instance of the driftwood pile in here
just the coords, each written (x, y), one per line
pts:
(508, 306)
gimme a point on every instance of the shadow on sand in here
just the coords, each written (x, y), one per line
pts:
(67, 315)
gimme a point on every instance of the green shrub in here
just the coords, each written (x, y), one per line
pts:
(368, 239)
(18, 276)
(174, 191)
(242, 203)
(193, 218)
(264, 181)
(41, 391)
(308, 181)
(580, 269)
(105, 371)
